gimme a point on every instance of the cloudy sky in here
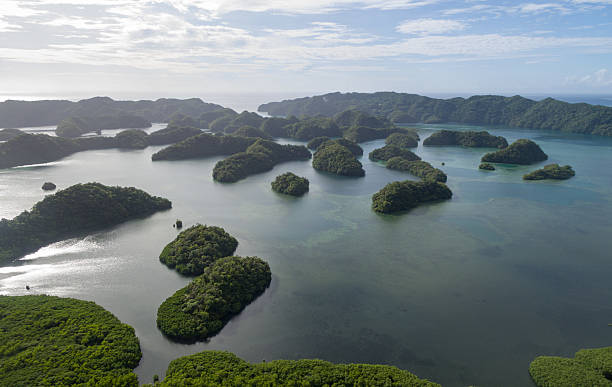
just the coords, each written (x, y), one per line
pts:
(202, 47)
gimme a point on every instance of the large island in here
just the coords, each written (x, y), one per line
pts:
(404, 195)
(522, 152)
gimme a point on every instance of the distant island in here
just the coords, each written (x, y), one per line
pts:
(212, 368)
(19, 114)
(335, 158)
(204, 145)
(472, 139)
(551, 171)
(203, 307)
(196, 248)
(588, 367)
(404, 108)
(404, 195)
(74, 211)
(259, 157)
(403, 140)
(53, 341)
(290, 184)
(9, 134)
(418, 168)
(72, 127)
(389, 151)
(522, 152)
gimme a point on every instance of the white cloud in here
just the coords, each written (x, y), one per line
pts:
(600, 78)
(429, 26)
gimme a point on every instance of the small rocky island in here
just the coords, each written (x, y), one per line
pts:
(196, 248)
(338, 159)
(48, 186)
(260, 157)
(486, 167)
(403, 140)
(389, 151)
(552, 172)
(418, 168)
(203, 307)
(404, 195)
(213, 368)
(290, 184)
(522, 152)
(76, 210)
(53, 341)
(470, 138)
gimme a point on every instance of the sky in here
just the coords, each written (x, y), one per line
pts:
(190, 48)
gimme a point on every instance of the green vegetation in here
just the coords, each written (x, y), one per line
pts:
(486, 167)
(478, 110)
(74, 211)
(521, 152)
(52, 341)
(468, 138)
(290, 184)
(403, 140)
(48, 186)
(261, 156)
(316, 142)
(243, 119)
(197, 248)
(308, 128)
(335, 158)
(589, 367)
(277, 126)
(404, 195)
(203, 307)
(132, 139)
(365, 133)
(352, 146)
(354, 118)
(172, 135)
(418, 168)
(207, 118)
(389, 151)
(551, 171)
(213, 368)
(249, 131)
(204, 145)
(77, 126)
(18, 114)
(34, 149)
(9, 134)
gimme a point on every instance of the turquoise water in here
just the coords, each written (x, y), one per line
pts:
(462, 292)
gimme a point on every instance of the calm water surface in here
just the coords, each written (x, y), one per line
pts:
(463, 292)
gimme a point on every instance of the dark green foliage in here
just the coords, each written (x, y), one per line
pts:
(403, 140)
(309, 128)
(552, 371)
(486, 167)
(179, 119)
(219, 124)
(249, 131)
(204, 145)
(132, 139)
(352, 146)
(197, 248)
(48, 186)
(74, 211)
(207, 118)
(34, 149)
(365, 133)
(599, 359)
(243, 119)
(354, 118)
(9, 134)
(389, 151)
(290, 184)
(259, 157)
(468, 138)
(521, 152)
(551, 171)
(479, 110)
(77, 126)
(277, 126)
(16, 114)
(52, 341)
(203, 307)
(214, 368)
(316, 142)
(172, 135)
(404, 195)
(335, 158)
(178, 224)
(418, 168)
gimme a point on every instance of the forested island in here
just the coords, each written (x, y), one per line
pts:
(18, 114)
(203, 307)
(390, 151)
(352, 146)
(403, 140)
(259, 157)
(522, 152)
(338, 159)
(486, 167)
(197, 248)
(418, 168)
(9, 134)
(71, 212)
(551, 171)
(211, 368)
(52, 341)
(204, 145)
(72, 127)
(404, 195)
(588, 367)
(472, 139)
(290, 184)
(404, 108)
